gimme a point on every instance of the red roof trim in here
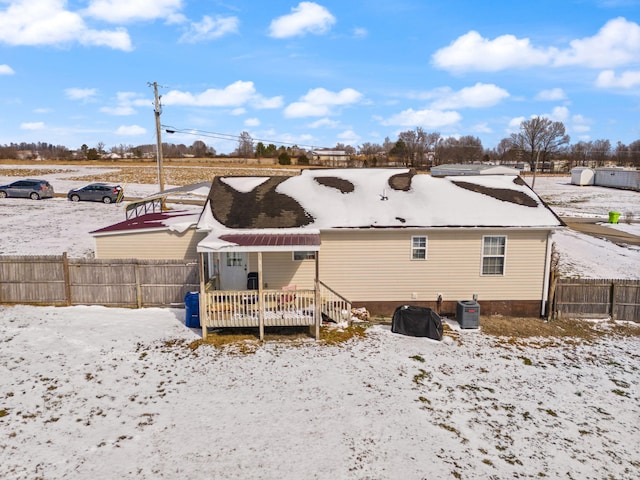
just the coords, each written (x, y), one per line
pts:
(273, 239)
(143, 222)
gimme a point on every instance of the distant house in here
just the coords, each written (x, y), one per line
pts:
(374, 238)
(333, 158)
(472, 169)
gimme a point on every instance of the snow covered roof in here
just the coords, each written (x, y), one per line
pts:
(326, 199)
(174, 220)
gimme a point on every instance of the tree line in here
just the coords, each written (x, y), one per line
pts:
(538, 142)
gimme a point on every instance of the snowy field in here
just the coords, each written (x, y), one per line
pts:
(92, 392)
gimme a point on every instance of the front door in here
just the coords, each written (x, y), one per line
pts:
(233, 271)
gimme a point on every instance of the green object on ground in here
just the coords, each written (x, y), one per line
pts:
(614, 217)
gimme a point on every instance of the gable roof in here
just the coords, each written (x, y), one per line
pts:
(371, 198)
(174, 220)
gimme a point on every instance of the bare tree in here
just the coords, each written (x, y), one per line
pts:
(580, 153)
(601, 151)
(245, 145)
(540, 136)
(371, 151)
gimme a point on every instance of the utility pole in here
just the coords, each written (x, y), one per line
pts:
(158, 110)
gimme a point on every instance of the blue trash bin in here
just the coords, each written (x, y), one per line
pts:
(192, 309)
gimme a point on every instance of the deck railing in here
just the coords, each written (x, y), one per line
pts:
(334, 306)
(242, 308)
(279, 308)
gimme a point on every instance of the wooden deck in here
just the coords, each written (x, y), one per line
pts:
(271, 308)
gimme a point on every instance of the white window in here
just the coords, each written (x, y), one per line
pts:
(494, 249)
(418, 248)
(304, 255)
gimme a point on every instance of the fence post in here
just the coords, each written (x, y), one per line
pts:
(138, 287)
(613, 300)
(67, 279)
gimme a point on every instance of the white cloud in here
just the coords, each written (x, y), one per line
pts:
(551, 95)
(6, 70)
(327, 97)
(238, 111)
(481, 128)
(304, 109)
(307, 17)
(234, 95)
(609, 79)
(130, 130)
(210, 28)
(122, 11)
(125, 101)
(481, 95)
(319, 102)
(349, 137)
(324, 122)
(32, 125)
(617, 43)
(360, 32)
(473, 52)
(261, 102)
(558, 114)
(423, 118)
(47, 22)
(252, 122)
(581, 128)
(83, 94)
(514, 124)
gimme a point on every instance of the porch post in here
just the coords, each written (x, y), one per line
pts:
(260, 300)
(202, 301)
(316, 297)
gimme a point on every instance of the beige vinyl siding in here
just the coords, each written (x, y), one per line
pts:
(377, 265)
(279, 269)
(156, 245)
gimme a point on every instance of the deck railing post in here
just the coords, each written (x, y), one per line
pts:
(260, 302)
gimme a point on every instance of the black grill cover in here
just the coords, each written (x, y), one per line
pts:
(417, 322)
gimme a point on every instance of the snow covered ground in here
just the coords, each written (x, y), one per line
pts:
(92, 392)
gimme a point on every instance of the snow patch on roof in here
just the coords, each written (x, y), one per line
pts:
(244, 184)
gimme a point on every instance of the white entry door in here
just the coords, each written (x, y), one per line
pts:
(233, 271)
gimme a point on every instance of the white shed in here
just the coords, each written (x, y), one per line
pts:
(582, 176)
(448, 169)
(617, 177)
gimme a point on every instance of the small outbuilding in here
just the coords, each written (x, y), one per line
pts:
(582, 176)
(617, 177)
(450, 169)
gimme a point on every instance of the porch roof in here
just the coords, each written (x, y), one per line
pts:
(261, 242)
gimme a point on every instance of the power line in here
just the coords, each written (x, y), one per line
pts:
(227, 136)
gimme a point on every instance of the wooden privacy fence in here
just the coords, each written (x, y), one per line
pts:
(618, 299)
(59, 280)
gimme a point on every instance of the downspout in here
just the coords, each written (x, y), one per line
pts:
(547, 272)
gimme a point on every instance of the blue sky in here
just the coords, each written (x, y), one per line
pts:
(315, 73)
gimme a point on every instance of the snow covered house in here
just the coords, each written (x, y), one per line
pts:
(277, 251)
(379, 238)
